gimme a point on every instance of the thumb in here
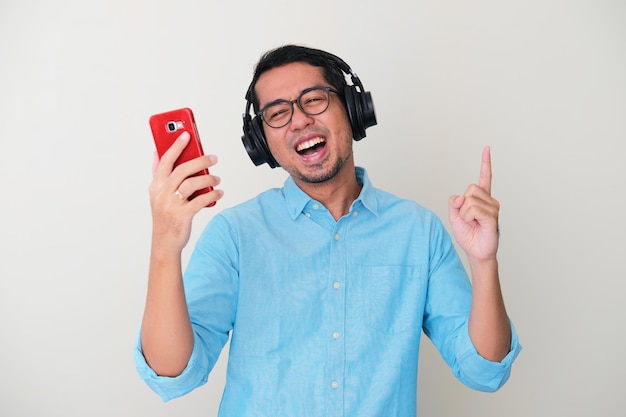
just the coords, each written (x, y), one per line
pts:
(454, 207)
(455, 202)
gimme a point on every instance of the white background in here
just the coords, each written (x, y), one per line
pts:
(542, 82)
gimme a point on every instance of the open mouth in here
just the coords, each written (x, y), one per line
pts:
(310, 146)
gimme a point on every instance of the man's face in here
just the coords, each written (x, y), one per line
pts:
(312, 149)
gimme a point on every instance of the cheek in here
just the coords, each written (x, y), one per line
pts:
(274, 143)
(343, 132)
(342, 122)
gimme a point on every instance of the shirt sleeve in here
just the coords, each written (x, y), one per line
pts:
(193, 376)
(210, 282)
(479, 373)
(446, 319)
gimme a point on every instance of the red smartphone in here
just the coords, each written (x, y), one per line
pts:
(167, 127)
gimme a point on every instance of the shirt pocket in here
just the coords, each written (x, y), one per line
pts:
(389, 298)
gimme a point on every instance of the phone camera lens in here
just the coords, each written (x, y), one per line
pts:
(171, 127)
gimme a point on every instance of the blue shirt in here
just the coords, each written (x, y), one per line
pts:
(325, 316)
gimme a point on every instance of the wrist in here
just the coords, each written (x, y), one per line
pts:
(483, 267)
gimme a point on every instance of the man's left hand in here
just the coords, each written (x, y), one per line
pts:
(474, 216)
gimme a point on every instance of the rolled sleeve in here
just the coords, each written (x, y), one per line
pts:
(194, 375)
(479, 373)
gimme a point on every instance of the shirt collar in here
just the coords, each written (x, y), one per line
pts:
(296, 199)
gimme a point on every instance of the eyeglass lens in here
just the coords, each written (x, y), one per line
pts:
(312, 102)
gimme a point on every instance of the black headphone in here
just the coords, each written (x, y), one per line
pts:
(358, 103)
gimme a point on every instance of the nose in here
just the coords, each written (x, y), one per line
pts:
(299, 119)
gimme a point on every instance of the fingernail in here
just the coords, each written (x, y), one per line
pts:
(184, 136)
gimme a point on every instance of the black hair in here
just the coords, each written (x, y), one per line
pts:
(288, 54)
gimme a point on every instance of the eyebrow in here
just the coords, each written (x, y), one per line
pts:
(277, 101)
(284, 100)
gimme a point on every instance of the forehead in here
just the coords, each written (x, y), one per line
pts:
(288, 81)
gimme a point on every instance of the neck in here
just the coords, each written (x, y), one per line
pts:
(336, 194)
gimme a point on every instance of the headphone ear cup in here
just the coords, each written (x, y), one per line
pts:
(353, 105)
(255, 143)
(360, 111)
(368, 114)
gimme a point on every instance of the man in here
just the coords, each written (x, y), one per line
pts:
(325, 284)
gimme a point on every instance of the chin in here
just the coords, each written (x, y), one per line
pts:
(317, 174)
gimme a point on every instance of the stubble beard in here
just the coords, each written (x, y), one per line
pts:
(320, 175)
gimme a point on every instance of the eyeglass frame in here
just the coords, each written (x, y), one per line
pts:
(297, 102)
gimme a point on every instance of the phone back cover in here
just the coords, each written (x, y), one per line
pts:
(164, 137)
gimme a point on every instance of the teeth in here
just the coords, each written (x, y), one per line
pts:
(309, 144)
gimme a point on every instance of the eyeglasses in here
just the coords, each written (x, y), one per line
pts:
(312, 101)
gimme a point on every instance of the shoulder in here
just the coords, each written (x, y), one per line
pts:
(270, 199)
(390, 204)
(253, 212)
(387, 204)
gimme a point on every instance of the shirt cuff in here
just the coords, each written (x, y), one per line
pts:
(194, 375)
(480, 373)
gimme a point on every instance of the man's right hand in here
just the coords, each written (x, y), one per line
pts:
(172, 212)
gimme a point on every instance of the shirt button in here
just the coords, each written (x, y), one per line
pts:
(336, 285)
(335, 335)
(356, 213)
(316, 206)
(334, 384)
(337, 236)
(307, 214)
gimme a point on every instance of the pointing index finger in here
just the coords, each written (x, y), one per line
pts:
(484, 180)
